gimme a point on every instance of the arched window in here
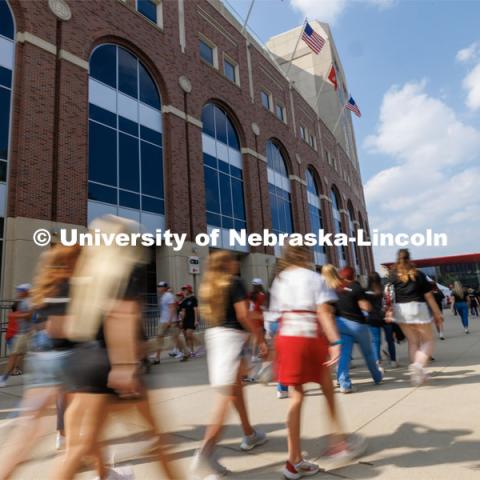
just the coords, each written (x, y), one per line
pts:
(337, 224)
(316, 222)
(353, 232)
(279, 191)
(125, 175)
(222, 160)
(7, 52)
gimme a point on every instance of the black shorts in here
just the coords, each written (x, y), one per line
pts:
(188, 324)
(87, 369)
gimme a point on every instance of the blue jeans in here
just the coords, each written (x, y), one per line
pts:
(353, 332)
(462, 309)
(376, 336)
(392, 353)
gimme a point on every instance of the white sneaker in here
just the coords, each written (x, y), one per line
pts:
(417, 374)
(204, 466)
(281, 394)
(467, 331)
(178, 355)
(256, 439)
(300, 470)
(122, 473)
(394, 364)
(354, 447)
(59, 442)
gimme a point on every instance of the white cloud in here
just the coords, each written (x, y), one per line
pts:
(330, 10)
(471, 83)
(469, 53)
(434, 182)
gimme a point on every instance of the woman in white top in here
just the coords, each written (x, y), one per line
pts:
(307, 344)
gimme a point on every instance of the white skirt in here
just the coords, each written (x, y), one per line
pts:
(224, 354)
(412, 313)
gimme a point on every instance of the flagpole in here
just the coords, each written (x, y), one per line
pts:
(296, 46)
(248, 16)
(338, 119)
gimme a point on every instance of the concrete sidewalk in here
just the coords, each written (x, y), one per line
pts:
(430, 432)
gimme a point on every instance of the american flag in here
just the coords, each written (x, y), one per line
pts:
(312, 38)
(353, 107)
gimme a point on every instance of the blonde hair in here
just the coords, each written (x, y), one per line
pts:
(330, 273)
(55, 266)
(458, 288)
(213, 292)
(100, 277)
(294, 256)
(404, 268)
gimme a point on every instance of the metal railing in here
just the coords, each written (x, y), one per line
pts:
(5, 309)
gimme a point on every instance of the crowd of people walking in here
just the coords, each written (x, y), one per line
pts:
(78, 334)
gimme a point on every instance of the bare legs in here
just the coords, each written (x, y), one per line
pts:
(17, 447)
(293, 424)
(420, 342)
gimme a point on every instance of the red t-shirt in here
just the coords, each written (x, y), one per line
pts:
(12, 326)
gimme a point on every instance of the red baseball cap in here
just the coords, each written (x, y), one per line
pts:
(187, 287)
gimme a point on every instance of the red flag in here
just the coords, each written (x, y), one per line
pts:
(332, 76)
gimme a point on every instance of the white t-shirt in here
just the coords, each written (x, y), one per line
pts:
(297, 292)
(165, 301)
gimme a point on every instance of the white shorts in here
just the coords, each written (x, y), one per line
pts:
(413, 313)
(224, 354)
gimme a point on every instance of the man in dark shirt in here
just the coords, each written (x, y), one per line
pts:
(189, 318)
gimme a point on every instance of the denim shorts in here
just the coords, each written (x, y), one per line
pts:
(46, 369)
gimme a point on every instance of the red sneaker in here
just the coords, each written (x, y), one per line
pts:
(299, 470)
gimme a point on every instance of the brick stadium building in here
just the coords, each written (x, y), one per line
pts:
(170, 113)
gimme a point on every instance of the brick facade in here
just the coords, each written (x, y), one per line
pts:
(49, 149)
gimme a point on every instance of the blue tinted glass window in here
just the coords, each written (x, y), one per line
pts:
(208, 119)
(148, 8)
(3, 171)
(238, 202)
(225, 195)
(220, 125)
(209, 160)
(223, 181)
(4, 122)
(150, 135)
(127, 73)
(117, 156)
(236, 172)
(148, 90)
(128, 162)
(5, 77)
(103, 65)
(227, 222)
(229, 70)
(206, 52)
(280, 202)
(127, 126)
(153, 205)
(152, 170)
(100, 193)
(223, 166)
(101, 115)
(129, 200)
(232, 136)
(214, 219)
(265, 99)
(102, 154)
(211, 190)
(6, 20)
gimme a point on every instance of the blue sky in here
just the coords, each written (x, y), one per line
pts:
(419, 136)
